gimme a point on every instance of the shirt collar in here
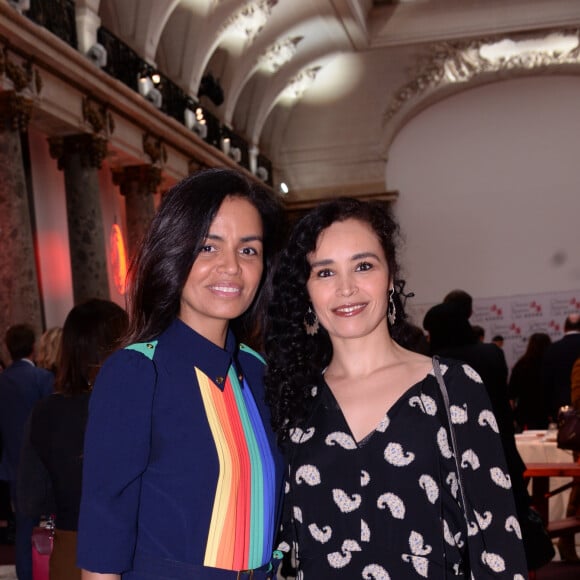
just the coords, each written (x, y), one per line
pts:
(209, 358)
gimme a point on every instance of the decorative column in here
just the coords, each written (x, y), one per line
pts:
(138, 183)
(80, 157)
(19, 289)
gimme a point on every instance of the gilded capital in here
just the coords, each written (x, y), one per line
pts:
(155, 149)
(144, 179)
(91, 149)
(15, 111)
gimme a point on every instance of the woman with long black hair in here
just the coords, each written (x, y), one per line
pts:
(182, 473)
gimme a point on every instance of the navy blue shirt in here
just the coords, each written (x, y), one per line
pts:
(151, 467)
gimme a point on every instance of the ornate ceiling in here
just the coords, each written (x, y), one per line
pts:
(321, 87)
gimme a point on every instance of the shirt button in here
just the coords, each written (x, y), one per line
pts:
(219, 380)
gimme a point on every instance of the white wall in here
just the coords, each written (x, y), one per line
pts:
(489, 184)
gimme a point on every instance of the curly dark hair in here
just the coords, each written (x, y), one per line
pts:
(296, 359)
(175, 238)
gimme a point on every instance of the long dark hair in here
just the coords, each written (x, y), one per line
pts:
(174, 239)
(91, 332)
(537, 344)
(295, 359)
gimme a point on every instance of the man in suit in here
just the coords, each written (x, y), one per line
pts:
(451, 336)
(557, 364)
(22, 384)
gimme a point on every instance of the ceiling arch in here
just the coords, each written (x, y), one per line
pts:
(377, 49)
(460, 66)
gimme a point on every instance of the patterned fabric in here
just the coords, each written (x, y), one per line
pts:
(180, 467)
(388, 506)
(245, 484)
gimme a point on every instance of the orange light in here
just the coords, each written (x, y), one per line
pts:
(118, 259)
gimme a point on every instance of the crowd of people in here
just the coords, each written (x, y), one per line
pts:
(263, 406)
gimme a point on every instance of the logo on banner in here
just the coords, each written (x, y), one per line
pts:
(526, 309)
(490, 313)
(561, 307)
(515, 329)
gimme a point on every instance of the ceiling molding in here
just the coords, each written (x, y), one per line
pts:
(445, 20)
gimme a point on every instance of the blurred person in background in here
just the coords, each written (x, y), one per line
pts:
(22, 384)
(48, 351)
(557, 364)
(567, 544)
(525, 388)
(91, 332)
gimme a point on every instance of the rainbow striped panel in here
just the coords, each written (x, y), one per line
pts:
(241, 530)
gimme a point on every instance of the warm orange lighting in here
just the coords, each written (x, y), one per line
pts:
(55, 276)
(118, 259)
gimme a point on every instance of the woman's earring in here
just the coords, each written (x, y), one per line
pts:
(311, 323)
(392, 309)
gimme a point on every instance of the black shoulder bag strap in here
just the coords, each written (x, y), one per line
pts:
(454, 446)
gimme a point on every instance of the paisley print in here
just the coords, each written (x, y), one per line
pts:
(453, 484)
(375, 572)
(483, 520)
(382, 426)
(451, 539)
(443, 442)
(342, 439)
(342, 558)
(297, 435)
(308, 474)
(427, 483)
(365, 531)
(417, 544)
(494, 561)
(365, 478)
(320, 535)
(486, 417)
(394, 503)
(420, 564)
(424, 402)
(389, 507)
(395, 455)
(500, 478)
(458, 414)
(513, 525)
(470, 459)
(472, 374)
(345, 502)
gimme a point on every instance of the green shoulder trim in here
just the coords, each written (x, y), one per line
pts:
(146, 348)
(251, 351)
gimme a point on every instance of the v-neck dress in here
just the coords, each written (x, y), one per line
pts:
(389, 506)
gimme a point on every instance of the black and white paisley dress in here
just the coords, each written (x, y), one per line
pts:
(388, 507)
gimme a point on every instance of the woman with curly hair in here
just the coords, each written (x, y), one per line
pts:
(182, 475)
(373, 489)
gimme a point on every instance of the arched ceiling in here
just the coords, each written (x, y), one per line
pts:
(372, 64)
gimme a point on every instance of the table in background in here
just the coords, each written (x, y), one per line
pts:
(534, 448)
